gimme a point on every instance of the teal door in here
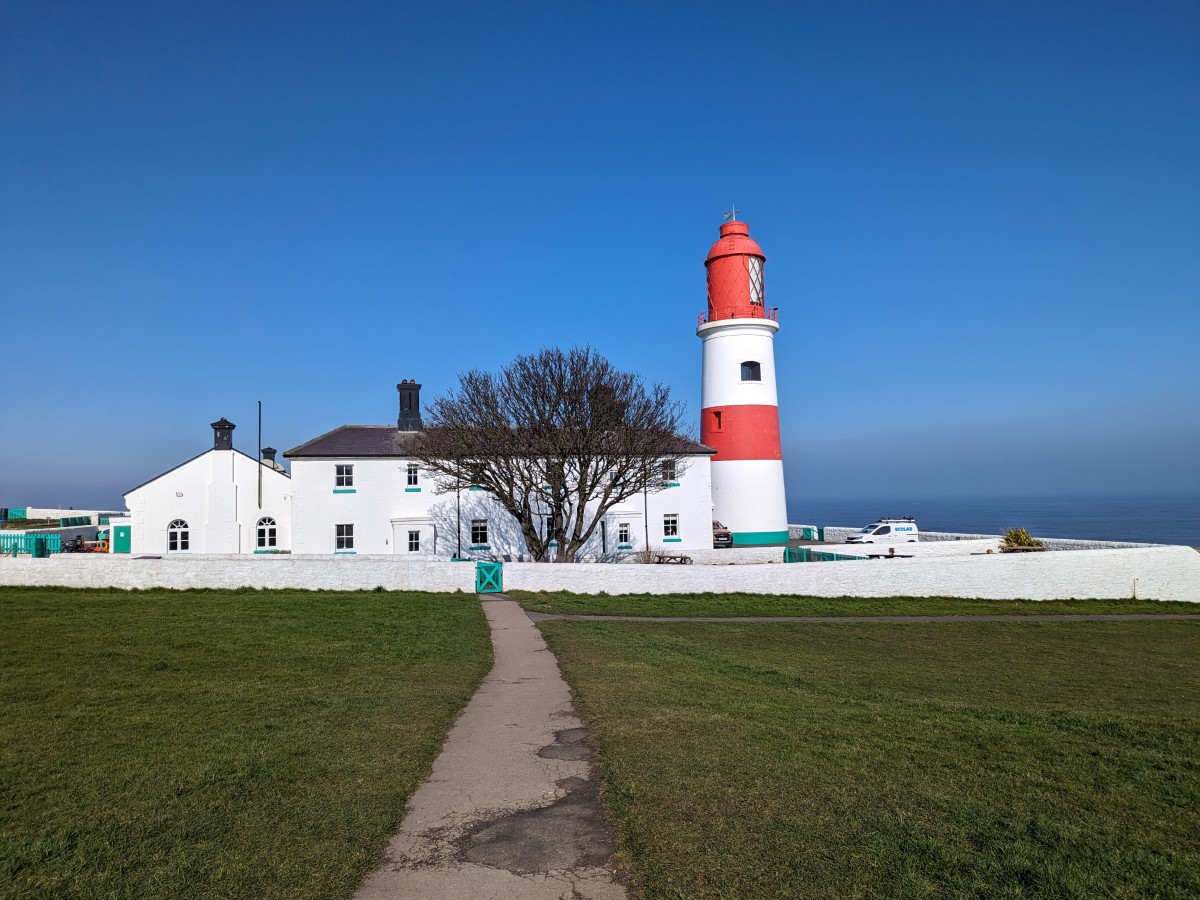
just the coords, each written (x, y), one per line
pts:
(122, 537)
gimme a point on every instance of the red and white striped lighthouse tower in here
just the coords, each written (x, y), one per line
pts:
(740, 408)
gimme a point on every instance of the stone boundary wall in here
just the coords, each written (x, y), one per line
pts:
(326, 573)
(1158, 573)
(837, 535)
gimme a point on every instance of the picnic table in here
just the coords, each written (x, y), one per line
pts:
(677, 558)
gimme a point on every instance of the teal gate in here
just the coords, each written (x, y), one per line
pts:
(808, 554)
(12, 544)
(489, 577)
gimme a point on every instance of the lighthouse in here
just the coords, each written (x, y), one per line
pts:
(740, 407)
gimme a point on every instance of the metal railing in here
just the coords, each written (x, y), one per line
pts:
(756, 312)
(808, 554)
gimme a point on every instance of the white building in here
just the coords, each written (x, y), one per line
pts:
(211, 504)
(356, 491)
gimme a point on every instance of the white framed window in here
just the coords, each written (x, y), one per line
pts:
(343, 476)
(414, 542)
(669, 472)
(751, 371)
(343, 537)
(671, 525)
(412, 474)
(622, 532)
(479, 532)
(266, 533)
(178, 536)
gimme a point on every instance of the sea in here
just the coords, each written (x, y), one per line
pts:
(1149, 519)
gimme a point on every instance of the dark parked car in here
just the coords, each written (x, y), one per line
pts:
(722, 536)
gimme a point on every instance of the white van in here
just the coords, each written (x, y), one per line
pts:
(894, 530)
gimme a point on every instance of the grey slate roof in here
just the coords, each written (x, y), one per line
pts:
(385, 440)
(355, 440)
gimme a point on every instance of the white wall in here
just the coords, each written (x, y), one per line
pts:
(217, 495)
(727, 344)
(1161, 573)
(382, 509)
(749, 496)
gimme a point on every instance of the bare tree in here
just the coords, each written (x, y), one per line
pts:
(560, 436)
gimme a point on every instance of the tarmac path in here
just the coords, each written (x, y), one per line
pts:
(860, 620)
(510, 809)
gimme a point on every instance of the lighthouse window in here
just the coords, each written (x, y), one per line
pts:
(671, 525)
(716, 420)
(756, 281)
(751, 371)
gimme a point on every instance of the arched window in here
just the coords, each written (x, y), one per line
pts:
(266, 533)
(751, 371)
(177, 536)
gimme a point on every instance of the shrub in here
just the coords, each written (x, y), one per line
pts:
(1020, 537)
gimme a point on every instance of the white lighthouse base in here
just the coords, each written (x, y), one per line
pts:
(749, 500)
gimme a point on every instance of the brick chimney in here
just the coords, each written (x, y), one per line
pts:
(223, 434)
(410, 406)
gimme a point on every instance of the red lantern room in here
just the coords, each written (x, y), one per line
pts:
(735, 276)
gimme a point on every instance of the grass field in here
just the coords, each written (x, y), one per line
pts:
(219, 743)
(977, 759)
(766, 605)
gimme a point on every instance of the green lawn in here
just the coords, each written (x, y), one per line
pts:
(766, 605)
(976, 759)
(219, 743)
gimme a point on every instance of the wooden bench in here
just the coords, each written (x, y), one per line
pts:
(677, 558)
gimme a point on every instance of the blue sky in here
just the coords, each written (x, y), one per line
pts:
(982, 224)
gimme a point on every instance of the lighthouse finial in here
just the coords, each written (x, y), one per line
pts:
(732, 214)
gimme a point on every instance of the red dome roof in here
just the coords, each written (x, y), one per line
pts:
(735, 239)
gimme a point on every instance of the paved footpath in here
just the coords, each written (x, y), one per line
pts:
(510, 809)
